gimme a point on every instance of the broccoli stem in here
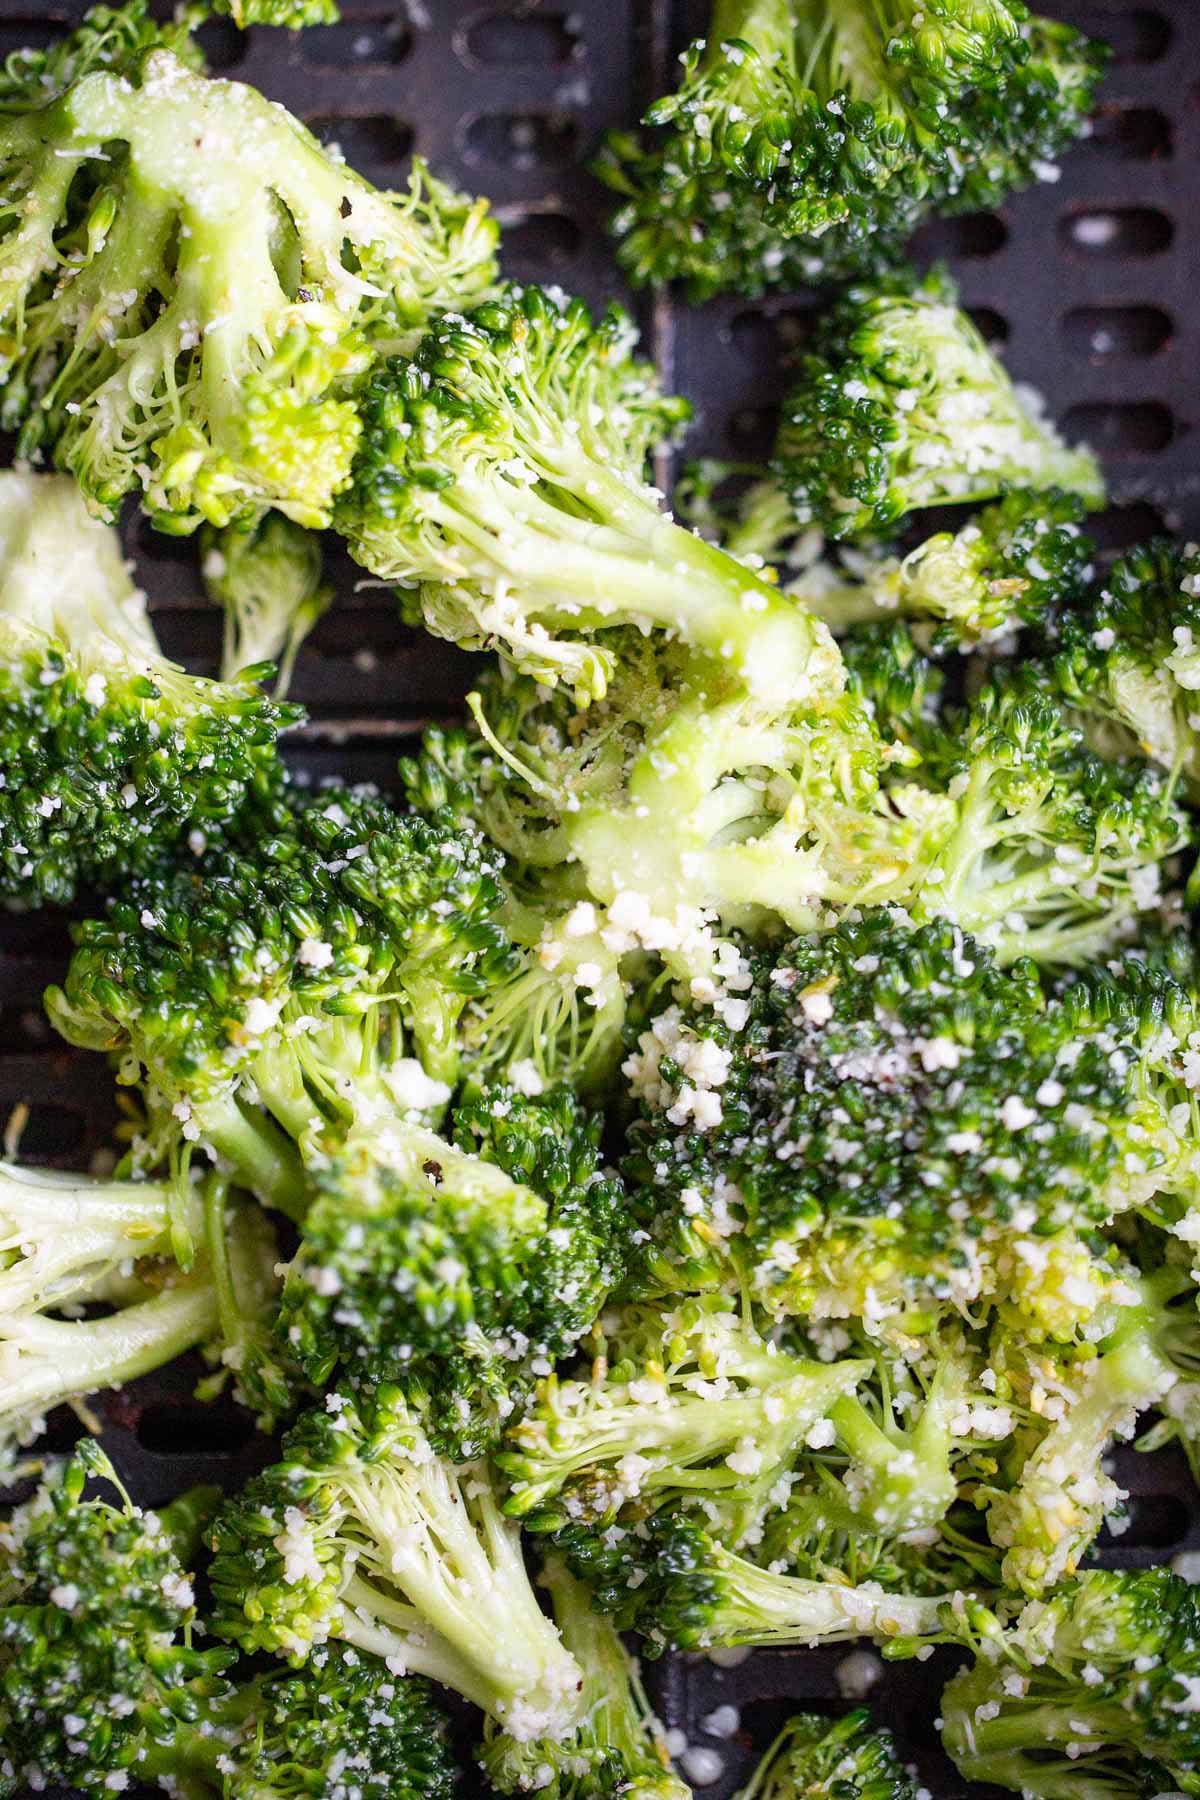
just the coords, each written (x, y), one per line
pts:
(68, 1231)
(902, 1480)
(375, 1621)
(1000, 1747)
(263, 1159)
(766, 25)
(757, 1607)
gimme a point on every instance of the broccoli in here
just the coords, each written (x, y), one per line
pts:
(618, 1749)
(466, 1289)
(270, 1000)
(115, 1245)
(107, 37)
(266, 576)
(1128, 660)
(896, 1123)
(294, 14)
(500, 479)
(109, 750)
(102, 1678)
(816, 1758)
(1090, 1695)
(674, 1582)
(191, 288)
(685, 1407)
(900, 405)
(808, 138)
(363, 1533)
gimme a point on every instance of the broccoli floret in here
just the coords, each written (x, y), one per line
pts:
(462, 1286)
(500, 478)
(107, 37)
(1017, 561)
(191, 287)
(1092, 1692)
(672, 1581)
(362, 1533)
(808, 138)
(817, 1758)
(685, 1407)
(101, 1677)
(109, 750)
(900, 405)
(292, 14)
(114, 1245)
(883, 1071)
(266, 576)
(1129, 659)
(618, 1749)
(267, 1001)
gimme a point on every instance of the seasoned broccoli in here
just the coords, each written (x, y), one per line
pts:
(808, 138)
(312, 988)
(107, 37)
(102, 1679)
(109, 750)
(465, 1287)
(900, 405)
(266, 576)
(362, 1533)
(294, 14)
(675, 1583)
(897, 1124)
(817, 1758)
(617, 1751)
(1090, 1693)
(685, 1407)
(500, 478)
(191, 286)
(1129, 659)
(66, 1244)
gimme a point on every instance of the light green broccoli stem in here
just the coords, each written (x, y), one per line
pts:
(902, 1480)
(766, 25)
(997, 1749)
(62, 1235)
(437, 1538)
(759, 1608)
(763, 525)
(262, 1157)
(1047, 1522)
(266, 576)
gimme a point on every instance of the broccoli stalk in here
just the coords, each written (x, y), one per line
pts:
(186, 316)
(266, 575)
(109, 750)
(500, 477)
(1090, 1695)
(618, 1749)
(900, 405)
(900, 1476)
(364, 1534)
(647, 1429)
(816, 1758)
(101, 1679)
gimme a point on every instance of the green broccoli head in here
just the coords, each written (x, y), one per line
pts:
(109, 750)
(817, 1758)
(1091, 1691)
(266, 575)
(809, 1147)
(900, 405)
(363, 1534)
(500, 477)
(96, 1623)
(234, 282)
(1128, 659)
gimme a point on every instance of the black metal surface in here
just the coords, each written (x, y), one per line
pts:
(1089, 281)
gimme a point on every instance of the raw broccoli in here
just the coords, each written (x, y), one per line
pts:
(273, 1003)
(685, 1407)
(266, 576)
(675, 1583)
(618, 1749)
(362, 1533)
(169, 1278)
(900, 405)
(191, 287)
(462, 1289)
(109, 750)
(817, 1758)
(896, 1123)
(1129, 659)
(1091, 1693)
(500, 478)
(808, 138)
(102, 1679)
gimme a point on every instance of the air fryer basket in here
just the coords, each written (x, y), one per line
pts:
(1090, 283)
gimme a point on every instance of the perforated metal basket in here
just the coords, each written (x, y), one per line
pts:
(1091, 282)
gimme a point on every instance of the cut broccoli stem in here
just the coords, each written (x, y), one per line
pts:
(61, 1234)
(902, 1480)
(758, 1608)
(375, 1621)
(264, 1159)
